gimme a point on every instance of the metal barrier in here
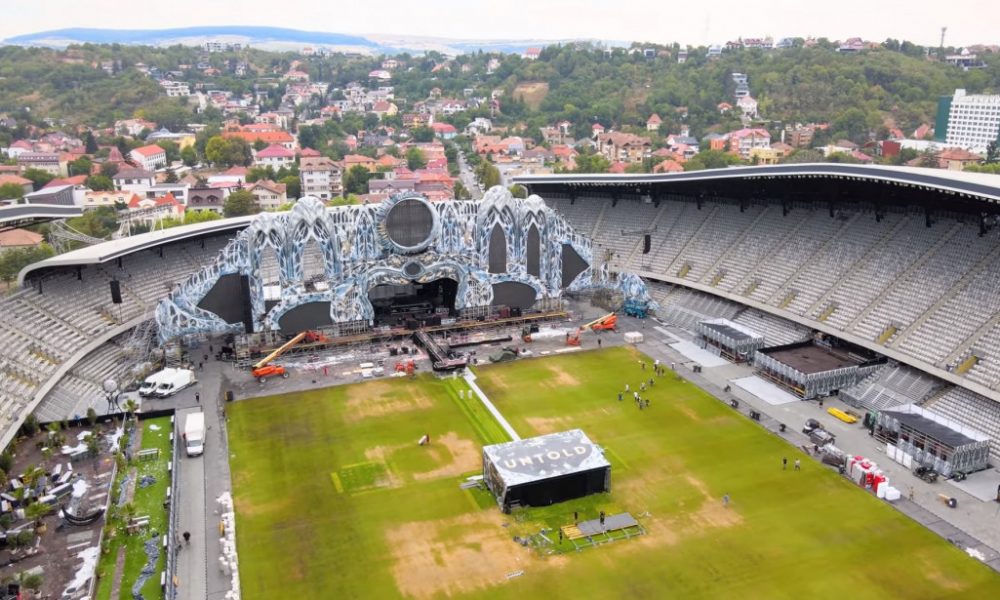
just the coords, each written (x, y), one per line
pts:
(170, 589)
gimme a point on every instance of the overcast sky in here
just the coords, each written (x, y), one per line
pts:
(693, 22)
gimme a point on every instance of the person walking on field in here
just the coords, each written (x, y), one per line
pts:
(725, 500)
(797, 464)
(784, 463)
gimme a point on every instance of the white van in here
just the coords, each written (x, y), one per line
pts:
(194, 434)
(148, 387)
(174, 382)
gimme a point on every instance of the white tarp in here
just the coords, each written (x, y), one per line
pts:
(702, 357)
(765, 390)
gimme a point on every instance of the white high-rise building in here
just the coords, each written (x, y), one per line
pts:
(973, 121)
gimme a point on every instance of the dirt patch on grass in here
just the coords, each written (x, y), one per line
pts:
(688, 412)
(938, 576)
(531, 93)
(457, 556)
(380, 399)
(456, 455)
(544, 425)
(562, 378)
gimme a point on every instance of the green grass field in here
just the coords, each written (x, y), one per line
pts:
(335, 498)
(147, 501)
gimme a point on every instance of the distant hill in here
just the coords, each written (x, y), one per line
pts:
(255, 36)
(271, 38)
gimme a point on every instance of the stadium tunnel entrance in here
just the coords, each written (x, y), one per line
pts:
(413, 304)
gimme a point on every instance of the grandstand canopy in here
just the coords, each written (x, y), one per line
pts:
(23, 215)
(110, 250)
(896, 181)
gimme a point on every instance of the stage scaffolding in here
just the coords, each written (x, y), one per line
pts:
(932, 440)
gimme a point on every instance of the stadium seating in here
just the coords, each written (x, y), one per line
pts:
(42, 329)
(932, 293)
(892, 385)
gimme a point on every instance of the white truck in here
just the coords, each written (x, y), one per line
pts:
(148, 387)
(194, 433)
(173, 382)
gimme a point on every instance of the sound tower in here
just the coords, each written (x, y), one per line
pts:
(116, 292)
(647, 243)
(229, 396)
(247, 304)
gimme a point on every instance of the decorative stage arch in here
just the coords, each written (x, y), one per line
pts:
(403, 240)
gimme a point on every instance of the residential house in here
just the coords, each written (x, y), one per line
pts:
(133, 127)
(151, 210)
(532, 53)
(178, 190)
(384, 108)
(19, 239)
(653, 122)
(45, 161)
(320, 177)
(625, 147)
(852, 46)
(382, 189)
(724, 107)
(479, 126)
(207, 199)
(445, 131)
(274, 156)
(26, 184)
(782, 149)
(668, 166)
(182, 139)
(268, 137)
(744, 140)
(352, 160)
(956, 159)
(269, 195)
(149, 157)
(18, 148)
(748, 106)
(134, 180)
(565, 155)
(92, 200)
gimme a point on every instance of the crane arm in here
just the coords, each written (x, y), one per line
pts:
(284, 348)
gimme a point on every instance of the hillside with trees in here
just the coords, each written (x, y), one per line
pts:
(859, 94)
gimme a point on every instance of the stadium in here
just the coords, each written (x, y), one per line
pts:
(463, 417)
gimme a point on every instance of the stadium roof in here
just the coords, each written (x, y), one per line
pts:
(21, 215)
(982, 185)
(101, 253)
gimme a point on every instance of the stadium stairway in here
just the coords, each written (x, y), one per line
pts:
(989, 260)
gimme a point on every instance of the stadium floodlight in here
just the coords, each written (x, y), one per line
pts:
(111, 393)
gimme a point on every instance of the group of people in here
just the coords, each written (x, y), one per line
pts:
(641, 402)
(784, 464)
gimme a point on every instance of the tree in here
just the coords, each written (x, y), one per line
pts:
(415, 158)
(38, 177)
(519, 191)
(591, 163)
(711, 159)
(488, 175)
(239, 203)
(36, 511)
(259, 145)
(92, 416)
(10, 191)
(227, 151)
(356, 180)
(11, 263)
(172, 113)
(89, 143)
(422, 134)
(100, 183)
(992, 153)
(461, 192)
(189, 156)
(172, 149)
(109, 169)
(80, 166)
(293, 186)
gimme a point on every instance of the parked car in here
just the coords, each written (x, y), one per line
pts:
(810, 426)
